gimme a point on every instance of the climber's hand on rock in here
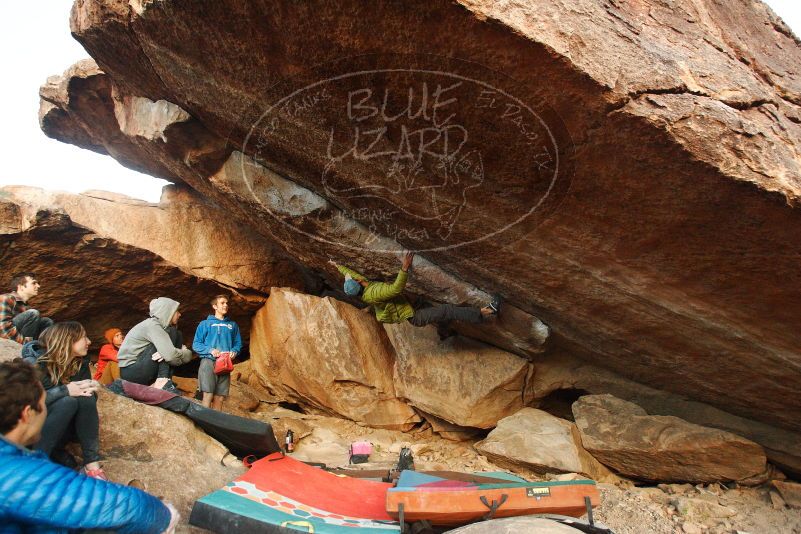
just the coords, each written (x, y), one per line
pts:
(408, 257)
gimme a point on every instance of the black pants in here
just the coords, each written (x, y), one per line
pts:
(145, 371)
(68, 419)
(446, 313)
(30, 324)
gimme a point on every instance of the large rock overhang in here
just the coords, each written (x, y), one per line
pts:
(666, 249)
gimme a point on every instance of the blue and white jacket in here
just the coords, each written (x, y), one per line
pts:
(220, 334)
(41, 497)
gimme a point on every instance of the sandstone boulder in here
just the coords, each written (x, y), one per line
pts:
(539, 441)
(457, 379)
(162, 139)
(330, 355)
(625, 438)
(95, 279)
(640, 156)
(514, 525)
(185, 229)
(9, 350)
(560, 378)
(170, 456)
(790, 492)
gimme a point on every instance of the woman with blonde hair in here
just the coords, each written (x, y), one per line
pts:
(71, 400)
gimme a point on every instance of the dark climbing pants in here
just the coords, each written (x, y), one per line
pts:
(70, 419)
(446, 313)
(144, 370)
(30, 323)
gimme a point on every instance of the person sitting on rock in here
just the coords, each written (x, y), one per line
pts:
(392, 307)
(107, 358)
(18, 322)
(71, 400)
(37, 495)
(215, 335)
(152, 347)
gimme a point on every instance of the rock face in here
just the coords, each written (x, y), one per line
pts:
(627, 172)
(328, 354)
(96, 279)
(9, 350)
(512, 525)
(185, 229)
(542, 442)
(625, 438)
(166, 452)
(561, 375)
(459, 380)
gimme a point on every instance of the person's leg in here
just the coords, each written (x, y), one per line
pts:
(87, 430)
(144, 370)
(27, 323)
(446, 313)
(164, 370)
(221, 391)
(59, 417)
(44, 323)
(207, 380)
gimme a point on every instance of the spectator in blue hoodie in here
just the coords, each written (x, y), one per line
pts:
(39, 496)
(215, 335)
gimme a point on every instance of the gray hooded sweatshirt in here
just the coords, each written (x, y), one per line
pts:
(153, 330)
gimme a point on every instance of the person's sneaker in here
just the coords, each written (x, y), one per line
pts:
(95, 473)
(495, 304)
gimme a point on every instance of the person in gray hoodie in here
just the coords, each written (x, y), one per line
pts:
(154, 346)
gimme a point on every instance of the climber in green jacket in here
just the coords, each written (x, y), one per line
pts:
(392, 307)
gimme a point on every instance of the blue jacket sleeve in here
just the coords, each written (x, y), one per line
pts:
(237, 340)
(38, 492)
(199, 343)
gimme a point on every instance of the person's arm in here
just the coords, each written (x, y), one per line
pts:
(55, 393)
(83, 503)
(107, 353)
(199, 343)
(7, 328)
(164, 346)
(381, 292)
(237, 347)
(353, 274)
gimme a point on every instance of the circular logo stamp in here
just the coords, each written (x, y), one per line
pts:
(431, 153)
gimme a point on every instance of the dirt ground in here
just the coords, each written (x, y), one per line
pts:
(625, 508)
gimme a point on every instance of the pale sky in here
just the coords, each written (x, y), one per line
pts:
(37, 43)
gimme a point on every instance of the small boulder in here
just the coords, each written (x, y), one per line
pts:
(163, 452)
(459, 380)
(622, 436)
(516, 525)
(790, 492)
(701, 511)
(9, 350)
(324, 353)
(539, 441)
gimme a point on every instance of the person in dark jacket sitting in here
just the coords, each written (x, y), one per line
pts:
(39, 496)
(71, 399)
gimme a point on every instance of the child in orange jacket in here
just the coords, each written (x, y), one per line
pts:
(108, 352)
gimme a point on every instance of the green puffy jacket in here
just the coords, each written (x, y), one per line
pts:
(387, 299)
